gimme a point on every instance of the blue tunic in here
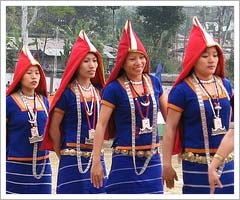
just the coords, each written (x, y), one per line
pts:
(122, 178)
(20, 179)
(183, 98)
(70, 180)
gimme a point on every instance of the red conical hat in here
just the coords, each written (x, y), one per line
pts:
(80, 49)
(25, 61)
(129, 43)
(198, 41)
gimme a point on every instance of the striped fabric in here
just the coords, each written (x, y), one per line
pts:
(25, 182)
(71, 181)
(195, 179)
(123, 179)
(195, 175)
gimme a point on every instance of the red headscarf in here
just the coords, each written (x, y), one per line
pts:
(80, 49)
(198, 41)
(25, 61)
(129, 43)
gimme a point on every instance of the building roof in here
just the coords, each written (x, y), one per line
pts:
(53, 46)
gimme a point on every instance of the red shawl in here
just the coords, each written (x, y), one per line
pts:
(80, 49)
(129, 43)
(198, 41)
(25, 61)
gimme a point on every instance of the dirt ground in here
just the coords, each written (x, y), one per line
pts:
(107, 152)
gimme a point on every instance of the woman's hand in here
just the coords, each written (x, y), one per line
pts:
(97, 174)
(213, 179)
(169, 175)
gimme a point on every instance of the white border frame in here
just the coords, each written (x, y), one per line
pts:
(4, 4)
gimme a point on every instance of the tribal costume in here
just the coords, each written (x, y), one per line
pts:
(199, 136)
(77, 126)
(136, 164)
(28, 168)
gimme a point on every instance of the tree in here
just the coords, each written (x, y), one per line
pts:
(160, 26)
(25, 24)
(230, 67)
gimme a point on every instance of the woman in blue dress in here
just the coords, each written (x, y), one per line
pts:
(131, 99)
(28, 169)
(73, 116)
(199, 107)
(225, 148)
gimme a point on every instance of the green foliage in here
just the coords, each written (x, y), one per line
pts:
(13, 20)
(156, 26)
(160, 25)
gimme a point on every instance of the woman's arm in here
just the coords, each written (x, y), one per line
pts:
(54, 131)
(225, 148)
(163, 105)
(97, 170)
(172, 121)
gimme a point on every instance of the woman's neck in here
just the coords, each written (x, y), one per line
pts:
(84, 82)
(204, 77)
(134, 78)
(28, 92)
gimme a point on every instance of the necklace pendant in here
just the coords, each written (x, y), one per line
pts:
(217, 107)
(218, 129)
(145, 103)
(35, 135)
(32, 121)
(146, 128)
(89, 113)
(90, 138)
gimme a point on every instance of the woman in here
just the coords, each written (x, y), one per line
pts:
(226, 147)
(199, 106)
(73, 116)
(130, 103)
(28, 168)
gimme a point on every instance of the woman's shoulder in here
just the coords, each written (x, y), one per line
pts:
(115, 83)
(9, 99)
(224, 80)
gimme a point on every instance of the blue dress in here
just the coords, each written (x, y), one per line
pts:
(183, 98)
(70, 180)
(19, 173)
(122, 178)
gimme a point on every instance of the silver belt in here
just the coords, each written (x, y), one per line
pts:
(73, 152)
(194, 157)
(139, 153)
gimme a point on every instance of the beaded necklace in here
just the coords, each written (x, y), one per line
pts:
(217, 121)
(212, 80)
(204, 122)
(88, 111)
(145, 103)
(133, 120)
(146, 128)
(79, 125)
(136, 82)
(85, 88)
(35, 137)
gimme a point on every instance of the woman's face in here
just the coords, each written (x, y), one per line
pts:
(88, 66)
(134, 64)
(207, 63)
(31, 78)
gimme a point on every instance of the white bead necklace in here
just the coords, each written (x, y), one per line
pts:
(89, 110)
(136, 82)
(208, 81)
(86, 89)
